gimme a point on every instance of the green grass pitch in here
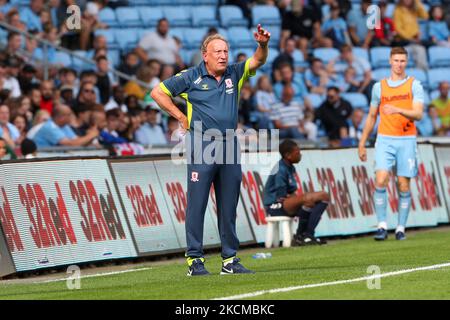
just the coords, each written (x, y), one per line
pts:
(339, 260)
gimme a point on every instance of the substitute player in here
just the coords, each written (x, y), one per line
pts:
(399, 101)
(280, 198)
(211, 91)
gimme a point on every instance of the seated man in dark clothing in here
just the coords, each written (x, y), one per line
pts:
(280, 196)
(334, 114)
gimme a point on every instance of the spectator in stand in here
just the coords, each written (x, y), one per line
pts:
(66, 95)
(81, 120)
(28, 149)
(245, 105)
(31, 53)
(21, 106)
(384, 33)
(303, 24)
(20, 122)
(294, 80)
(7, 81)
(145, 75)
(86, 97)
(57, 132)
(13, 18)
(265, 99)
(155, 70)
(132, 102)
(357, 19)
(361, 66)
(117, 100)
(285, 57)
(68, 77)
(437, 28)
(355, 126)
(151, 132)
(167, 70)
(91, 77)
(47, 96)
(335, 28)
(99, 118)
(349, 83)
(316, 77)
(129, 124)
(406, 19)
(3, 149)
(14, 43)
(287, 116)
(35, 97)
(442, 105)
(333, 113)
(173, 134)
(7, 130)
(430, 125)
(105, 79)
(113, 117)
(158, 45)
(31, 15)
(129, 66)
(27, 78)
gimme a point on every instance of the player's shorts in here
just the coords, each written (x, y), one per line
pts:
(275, 210)
(398, 153)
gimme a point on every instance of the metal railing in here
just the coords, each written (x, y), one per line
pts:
(46, 44)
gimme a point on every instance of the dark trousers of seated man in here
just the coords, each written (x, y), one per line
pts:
(309, 207)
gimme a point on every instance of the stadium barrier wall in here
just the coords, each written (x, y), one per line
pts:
(443, 156)
(63, 212)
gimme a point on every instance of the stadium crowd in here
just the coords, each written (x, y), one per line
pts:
(305, 95)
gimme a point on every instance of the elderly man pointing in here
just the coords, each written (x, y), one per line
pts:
(211, 91)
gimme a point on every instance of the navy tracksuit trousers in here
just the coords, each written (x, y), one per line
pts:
(212, 162)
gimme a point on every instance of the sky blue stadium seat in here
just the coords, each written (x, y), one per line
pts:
(254, 80)
(390, 10)
(194, 37)
(114, 58)
(315, 99)
(128, 17)
(136, 3)
(231, 16)
(241, 37)
(150, 16)
(273, 53)
(62, 58)
(437, 75)
(379, 57)
(419, 74)
(126, 38)
(79, 64)
(439, 57)
(275, 36)
(205, 16)
(178, 33)
(380, 73)
(356, 99)
(142, 32)
(110, 37)
(326, 54)
(299, 59)
(426, 98)
(208, 2)
(361, 52)
(434, 94)
(423, 25)
(108, 16)
(265, 15)
(178, 16)
(186, 55)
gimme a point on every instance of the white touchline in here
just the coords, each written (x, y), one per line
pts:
(94, 275)
(333, 283)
